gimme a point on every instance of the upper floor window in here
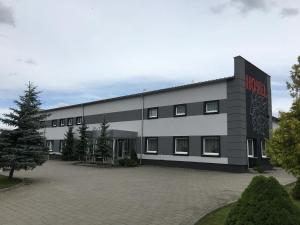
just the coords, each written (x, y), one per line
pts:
(211, 107)
(181, 145)
(62, 122)
(79, 120)
(211, 146)
(180, 110)
(151, 144)
(70, 121)
(250, 147)
(54, 123)
(153, 113)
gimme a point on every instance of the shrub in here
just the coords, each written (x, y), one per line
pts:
(127, 162)
(264, 202)
(133, 155)
(296, 190)
(259, 169)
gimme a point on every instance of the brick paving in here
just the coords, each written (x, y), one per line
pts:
(59, 193)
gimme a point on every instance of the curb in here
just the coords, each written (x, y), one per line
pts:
(13, 187)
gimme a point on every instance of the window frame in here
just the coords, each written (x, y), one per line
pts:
(175, 110)
(210, 154)
(211, 112)
(48, 146)
(54, 123)
(263, 143)
(174, 146)
(70, 119)
(61, 145)
(76, 120)
(252, 140)
(146, 145)
(148, 113)
(62, 124)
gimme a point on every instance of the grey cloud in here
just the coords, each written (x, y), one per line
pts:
(218, 8)
(286, 12)
(246, 6)
(6, 15)
(27, 61)
(30, 61)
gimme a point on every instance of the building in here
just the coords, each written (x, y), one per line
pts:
(217, 124)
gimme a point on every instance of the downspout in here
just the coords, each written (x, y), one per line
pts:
(142, 128)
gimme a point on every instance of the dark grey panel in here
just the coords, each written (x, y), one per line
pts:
(56, 145)
(163, 112)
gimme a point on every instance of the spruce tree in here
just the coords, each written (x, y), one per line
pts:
(103, 149)
(68, 149)
(23, 146)
(83, 142)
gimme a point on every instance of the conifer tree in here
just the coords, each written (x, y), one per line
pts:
(23, 146)
(68, 149)
(83, 142)
(103, 149)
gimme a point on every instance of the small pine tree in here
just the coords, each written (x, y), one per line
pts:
(82, 142)
(103, 149)
(23, 147)
(68, 149)
(264, 202)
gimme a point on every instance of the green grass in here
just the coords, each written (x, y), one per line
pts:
(5, 182)
(218, 216)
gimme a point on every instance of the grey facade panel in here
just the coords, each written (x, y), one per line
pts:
(193, 109)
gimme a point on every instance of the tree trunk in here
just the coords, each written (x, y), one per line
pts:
(11, 172)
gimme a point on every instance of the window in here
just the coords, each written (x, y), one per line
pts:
(70, 121)
(180, 110)
(62, 122)
(54, 123)
(181, 146)
(211, 146)
(151, 144)
(61, 145)
(250, 147)
(263, 149)
(152, 113)
(78, 120)
(211, 107)
(49, 145)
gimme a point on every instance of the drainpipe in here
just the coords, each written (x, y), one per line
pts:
(142, 128)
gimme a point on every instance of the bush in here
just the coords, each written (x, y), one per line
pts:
(264, 202)
(133, 155)
(259, 169)
(127, 162)
(296, 190)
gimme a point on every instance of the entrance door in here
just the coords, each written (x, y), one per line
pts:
(121, 148)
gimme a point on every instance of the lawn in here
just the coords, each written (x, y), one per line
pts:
(5, 182)
(218, 216)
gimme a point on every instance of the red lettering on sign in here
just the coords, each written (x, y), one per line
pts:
(255, 86)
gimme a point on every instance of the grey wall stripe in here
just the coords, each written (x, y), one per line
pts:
(130, 115)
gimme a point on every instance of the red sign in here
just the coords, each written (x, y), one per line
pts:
(255, 86)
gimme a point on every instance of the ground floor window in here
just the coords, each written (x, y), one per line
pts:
(263, 149)
(61, 145)
(151, 144)
(181, 145)
(250, 147)
(49, 145)
(211, 146)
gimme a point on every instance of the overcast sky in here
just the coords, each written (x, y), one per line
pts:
(84, 50)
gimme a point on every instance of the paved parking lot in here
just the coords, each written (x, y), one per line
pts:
(60, 193)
